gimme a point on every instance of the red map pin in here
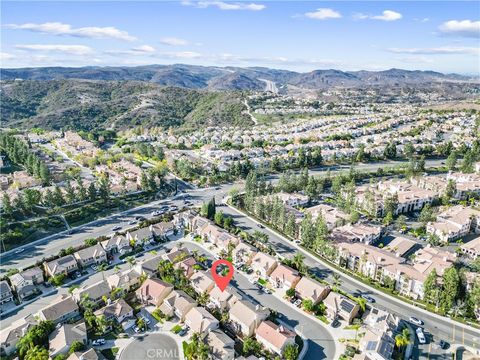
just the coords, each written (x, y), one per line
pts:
(222, 281)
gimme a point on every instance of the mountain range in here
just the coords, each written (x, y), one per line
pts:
(235, 78)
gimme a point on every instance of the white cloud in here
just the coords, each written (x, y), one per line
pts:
(6, 56)
(323, 14)
(183, 55)
(436, 51)
(465, 28)
(387, 15)
(144, 49)
(173, 41)
(67, 49)
(222, 5)
(57, 28)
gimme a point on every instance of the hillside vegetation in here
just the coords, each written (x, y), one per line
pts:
(87, 104)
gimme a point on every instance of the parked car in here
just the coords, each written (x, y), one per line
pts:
(132, 222)
(136, 329)
(183, 331)
(297, 303)
(416, 321)
(94, 267)
(335, 323)
(116, 228)
(421, 336)
(261, 226)
(444, 344)
(98, 342)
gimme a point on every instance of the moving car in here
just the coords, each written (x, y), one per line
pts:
(421, 336)
(19, 251)
(368, 298)
(98, 342)
(416, 321)
(115, 228)
(261, 226)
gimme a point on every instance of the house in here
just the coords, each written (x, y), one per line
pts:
(202, 282)
(9, 335)
(126, 280)
(62, 338)
(94, 292)
(90, 354)
(310, 289)
(117, 311)
(263, 264)
(62, 266)
(177, 303)
(153, 291)
(243, 253)
(200, 320)
(472, 248)
(29, 277)
(221, 345)
(63, 309)
(176, 254)
(187, 265)
(400, 246)
(245, 317)
(95, 254)
(333, 217)
(293, 200)
(149, 267)
(117, 244)
(340, 307)
(163, 230)
(5, 292)
(142, 235)
(274, 337)
(284, 277)
(223, 300)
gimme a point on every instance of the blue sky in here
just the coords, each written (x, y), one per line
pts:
(302, 36)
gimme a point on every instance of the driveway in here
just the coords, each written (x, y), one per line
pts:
(151, 347)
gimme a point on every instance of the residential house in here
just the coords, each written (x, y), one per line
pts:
(63, 337)
(400, 246)
(63, 309)
(472, 248)
(5, 292)
(221, 345)
(284, 277)
(202, 282)
(201, 321)
(117, 311)
(223, 300)
(176, 254)
(117, 244)
(243, 253)
(62, 266)
(310, 289)
(263, 264)
(94, 292)
(9, 335)
(125, 280)
(274, 337)
(153, 291)
(90, 354)
(163, 230)
(332, 216)
(177, 303)
(340, 307)
(293, 200)
(32, 276)
(149, 267)
(187, 265)
(95, 254)
(141, 236)
(245, 317)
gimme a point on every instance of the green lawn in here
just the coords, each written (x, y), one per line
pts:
(262, 282)
(176, 329)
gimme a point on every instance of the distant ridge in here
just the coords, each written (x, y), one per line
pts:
(235, 78)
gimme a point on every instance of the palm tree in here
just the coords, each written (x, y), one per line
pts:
(336, 280)
(116, 269)
(102, 267)
(298, 262)
(130, 261)
(203, 299)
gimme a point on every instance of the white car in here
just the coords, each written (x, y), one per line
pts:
(416, 321)
(94, 267)
(147, 321)
(421, 336)
(98, 342)
(19, 251)
(297, 303)
(116, 228)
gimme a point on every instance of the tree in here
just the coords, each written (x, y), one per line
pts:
(336, 280)
(388, 219)
(70, 193)
(426, 215)
(37, 353)
(203, 298)
(451, 287)
(390, 151)
(401, 222)
(298, 262)
(308, 305)
(290, 352)
(251, 346)
(430, 286)
(290, 292)
(92, 192)
(76, 346)
(451, 161)
(219, 218)
(196, 349)
(7, 205)
(402, 339)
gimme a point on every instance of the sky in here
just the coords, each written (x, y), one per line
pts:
(295, 35)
